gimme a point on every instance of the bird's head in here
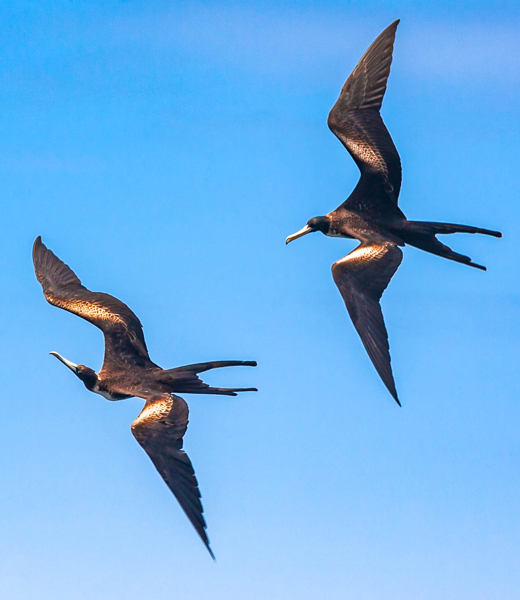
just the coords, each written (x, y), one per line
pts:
(315, 224)
(86, 374)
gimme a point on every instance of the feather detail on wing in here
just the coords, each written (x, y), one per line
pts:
(356, 121)
(124, 338)
(159, 429)
(362, 276)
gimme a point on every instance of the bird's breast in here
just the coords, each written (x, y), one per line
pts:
(109, 395)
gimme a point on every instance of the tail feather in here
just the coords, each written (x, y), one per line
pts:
(446, 228)
(421, 234)
(186, 380)
(218, 364)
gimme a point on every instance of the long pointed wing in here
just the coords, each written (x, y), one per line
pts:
(362, 276)
(124, 338)
(356, 121)
(159, 429)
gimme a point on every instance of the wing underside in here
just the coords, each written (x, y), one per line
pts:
(159, 429)
(124, 338)
(355, 118)
(362, 276)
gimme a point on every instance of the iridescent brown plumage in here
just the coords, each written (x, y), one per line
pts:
(371, 213)
(128, 371)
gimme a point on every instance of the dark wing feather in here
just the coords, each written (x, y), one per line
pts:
(159, 429)
(124, 338)
(356, 121)
(362, 276)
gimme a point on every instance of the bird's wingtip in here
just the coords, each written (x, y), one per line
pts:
(481, 267)
(390, 386)
(393, 392)
(37, 243)
(393, 25)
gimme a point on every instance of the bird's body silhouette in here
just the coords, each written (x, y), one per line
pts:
(128, 371)
(371, 213)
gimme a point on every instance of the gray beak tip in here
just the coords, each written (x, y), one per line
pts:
(304, 231)
(72, 366)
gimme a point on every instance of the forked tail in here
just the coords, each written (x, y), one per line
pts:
(421, 234)
(185, 379)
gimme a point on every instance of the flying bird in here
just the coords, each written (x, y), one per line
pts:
(371, 214)
(128, 371)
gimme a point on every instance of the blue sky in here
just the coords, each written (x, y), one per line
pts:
(165, 150)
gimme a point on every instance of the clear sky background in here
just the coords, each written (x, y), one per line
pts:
(165, 150)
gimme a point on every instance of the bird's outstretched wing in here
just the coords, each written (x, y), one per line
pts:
(124, 339)
(356, 121)
(362, 276)
(159, 429)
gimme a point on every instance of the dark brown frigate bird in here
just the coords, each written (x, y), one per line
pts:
(128, 371)
(371, 214)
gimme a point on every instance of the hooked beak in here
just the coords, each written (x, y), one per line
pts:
(304, 231)
(67, 363)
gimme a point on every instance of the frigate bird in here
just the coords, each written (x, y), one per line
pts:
(128, 371)
(371, 214)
